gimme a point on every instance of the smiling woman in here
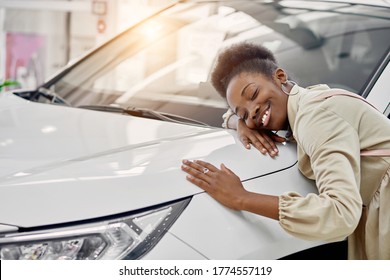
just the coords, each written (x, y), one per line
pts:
(330, 134)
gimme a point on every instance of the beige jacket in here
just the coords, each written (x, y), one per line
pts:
(354, 191)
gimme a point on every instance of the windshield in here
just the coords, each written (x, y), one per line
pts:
(164, 63)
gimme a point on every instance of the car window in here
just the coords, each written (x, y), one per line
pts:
(164, 63)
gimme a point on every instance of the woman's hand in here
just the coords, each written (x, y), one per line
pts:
(225, 187)
(263, 140)
(221, 184)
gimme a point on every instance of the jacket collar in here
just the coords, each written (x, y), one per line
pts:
(294, 101)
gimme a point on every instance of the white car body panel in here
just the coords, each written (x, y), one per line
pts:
(380, 95)
(182, 251)
(78, 165)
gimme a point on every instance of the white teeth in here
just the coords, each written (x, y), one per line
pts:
(264, 117)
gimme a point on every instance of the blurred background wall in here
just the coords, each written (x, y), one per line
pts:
(38, 37)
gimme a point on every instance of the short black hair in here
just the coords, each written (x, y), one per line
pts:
(238, 58)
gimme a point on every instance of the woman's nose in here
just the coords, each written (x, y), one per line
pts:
(251, 120)
(254, 113)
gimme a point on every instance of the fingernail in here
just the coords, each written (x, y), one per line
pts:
(276, 150)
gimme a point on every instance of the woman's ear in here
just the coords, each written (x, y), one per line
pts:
(280, 76)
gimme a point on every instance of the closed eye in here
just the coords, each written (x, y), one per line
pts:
(256, 92)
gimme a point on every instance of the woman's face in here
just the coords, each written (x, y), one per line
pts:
(259, 101)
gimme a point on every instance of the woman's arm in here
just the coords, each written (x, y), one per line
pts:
(330, 152)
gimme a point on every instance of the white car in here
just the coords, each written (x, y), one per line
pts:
(90, 161)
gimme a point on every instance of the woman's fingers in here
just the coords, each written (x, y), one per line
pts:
(277, 138)
(259, 144)
(221, 184)
(194, 169)
(207, 165)
(199, 173)
(246, 142)
(198, 182)
(264, 143)
(200, 166)
(262, 140)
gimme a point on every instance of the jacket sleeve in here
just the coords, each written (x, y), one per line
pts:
(332, 145)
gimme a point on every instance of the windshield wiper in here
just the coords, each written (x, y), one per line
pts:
(48, 95)
(144, 113)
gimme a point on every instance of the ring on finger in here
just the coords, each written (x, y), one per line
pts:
(205, 170)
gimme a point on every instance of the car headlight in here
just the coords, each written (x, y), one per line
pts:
(128, 237)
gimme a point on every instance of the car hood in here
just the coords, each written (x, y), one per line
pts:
(62, 164)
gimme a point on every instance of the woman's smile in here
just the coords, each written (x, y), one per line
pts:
(265, 116)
